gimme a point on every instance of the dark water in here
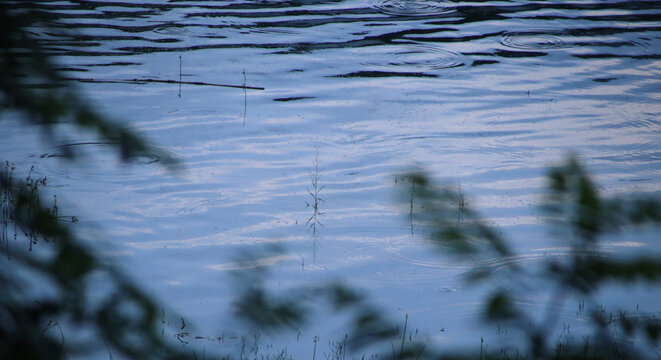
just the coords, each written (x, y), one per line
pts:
(485, 94)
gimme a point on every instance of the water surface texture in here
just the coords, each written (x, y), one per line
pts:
(482, 94)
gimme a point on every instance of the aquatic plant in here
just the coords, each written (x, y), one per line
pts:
(314, 222)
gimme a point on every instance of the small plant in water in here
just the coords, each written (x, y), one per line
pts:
(337, 349)
(313, 221)
(10, 197)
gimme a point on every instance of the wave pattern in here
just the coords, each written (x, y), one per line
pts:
(413, 7)
(483, 94)
(533, 40)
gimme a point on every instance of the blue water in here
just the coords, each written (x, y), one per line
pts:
(482, 94)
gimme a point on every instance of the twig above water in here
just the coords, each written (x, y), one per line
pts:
(138, 81)
(179, 75)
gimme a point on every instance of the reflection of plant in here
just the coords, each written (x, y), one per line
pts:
(579, 217)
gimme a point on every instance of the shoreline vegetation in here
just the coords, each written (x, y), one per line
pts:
(55, 287)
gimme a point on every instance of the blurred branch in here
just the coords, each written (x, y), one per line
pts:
(579, 217)
(67, 268)
(437, 209)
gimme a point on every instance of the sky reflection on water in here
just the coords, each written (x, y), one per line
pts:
(487, 94)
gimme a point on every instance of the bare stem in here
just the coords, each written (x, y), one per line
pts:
(245, 98)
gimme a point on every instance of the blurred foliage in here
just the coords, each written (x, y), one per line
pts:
(267, 311)
(46, 298)
(52, 286)
(578, 217)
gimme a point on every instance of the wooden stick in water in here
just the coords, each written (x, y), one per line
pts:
(165, 82)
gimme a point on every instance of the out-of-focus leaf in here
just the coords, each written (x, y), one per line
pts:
(642, 211)
(653, 329)
(369, 326)
(500, 307)
(72, 263)
(131, 332)
(258, 306)
(267, 312)
(600, 270)
(578, 216)
(573, 198)
(342, 296)
(451, 223)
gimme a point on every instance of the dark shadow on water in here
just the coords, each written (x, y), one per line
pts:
(382, 74)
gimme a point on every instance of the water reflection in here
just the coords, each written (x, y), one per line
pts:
(482, 92)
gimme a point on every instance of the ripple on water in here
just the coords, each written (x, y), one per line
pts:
(62, 150)
(534, 40)
(254, 29)
(105, 158)
(422, 258)
(612, 47)
(409, 57)
(413, 7)
(171, 30)
(401, 261)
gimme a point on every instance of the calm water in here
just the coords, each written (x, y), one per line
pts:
(485, 94)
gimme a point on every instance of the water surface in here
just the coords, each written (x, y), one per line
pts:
(485, 94)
